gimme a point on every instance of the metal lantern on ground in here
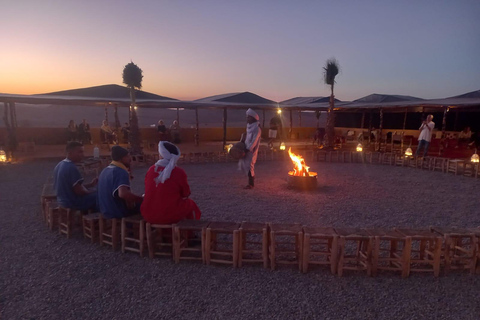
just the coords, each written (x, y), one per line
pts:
(359, 147)
(3, 156)
(282, 146)
(409, 152)
(475, 158)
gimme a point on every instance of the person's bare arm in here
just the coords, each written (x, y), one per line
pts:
(80, 190)
(127, 195)
(92, 183)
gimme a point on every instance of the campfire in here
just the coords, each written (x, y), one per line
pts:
(300, 177)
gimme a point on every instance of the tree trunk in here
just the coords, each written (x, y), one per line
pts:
(330, 130)
(134, 137)
(117, 121)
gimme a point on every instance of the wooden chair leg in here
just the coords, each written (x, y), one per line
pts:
(236, 243)
(123, 235)
(208, 245)
(142, 238)
(407, 251)
(265, 248)
(272, 250)
(241, 239)
(334, 255)
(436, 257)
(306, 252)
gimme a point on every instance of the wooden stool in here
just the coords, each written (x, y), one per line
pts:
(48, 194)
(401, 160)
(133, 234)
(51, 213)
(425, 249)
(160, 240)
(415, 162)
(251, 247)
(347, 156)
(66, 220)
(439, 164)
(222, 251)
(460, 248)
(454, 166)
(109, 232)
(426, 163)
(387, 158)
(90, 224)
(373, 157)
(360, 257)
(182, 240)
(387, 254)
(320, 242)
(470, 169)
(321, 156)
(284, 247)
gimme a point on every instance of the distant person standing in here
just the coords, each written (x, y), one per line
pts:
(126, 131)
(71, 131)
(84, 132)
(252, 144)
(162, 131)
(175, 131)
(272, 132)
(425, 135)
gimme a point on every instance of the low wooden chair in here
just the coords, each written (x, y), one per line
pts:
(389, 251)
(253, 250)
(355, 250)
(48, 194)
(427, 163)
(219, 251)
(334, 156)
(160, 240)
(454, 165)
(321, 156)
(401, 160)
(109, 232)
(133, 234)
(320, 247)
(288, 247)
(185, 246)
(91, 226)
(66, 220)
(51, 214)
(460, 250)
(439, 164)
(347, 156)
(373, 157)
(425, 250)
(387, 158)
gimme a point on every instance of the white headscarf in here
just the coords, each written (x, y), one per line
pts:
(252, 113)
(169, 162)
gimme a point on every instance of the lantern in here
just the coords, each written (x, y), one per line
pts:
(3, 156)
(228, 147)
(408, 152)
(279, 111)
(359, 147)
(475, 158)
(282, 146)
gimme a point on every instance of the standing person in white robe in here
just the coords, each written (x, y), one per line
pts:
(252, 143)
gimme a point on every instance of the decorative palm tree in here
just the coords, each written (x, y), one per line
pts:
(330, 72)
(132, 77)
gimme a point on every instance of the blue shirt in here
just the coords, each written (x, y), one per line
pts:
(110, 180)
(66, 176)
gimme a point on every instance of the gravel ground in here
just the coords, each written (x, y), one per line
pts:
(46, 276)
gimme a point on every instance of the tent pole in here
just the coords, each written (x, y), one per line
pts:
(263, 124)
(370, 128)
(380, 130)
(363, 120)
(197, 137)
(404, 125)
(224, 127)
(291, 124)
(444, 127)
(455, 126)
(178, 116)
(299, 118)
(106, 113)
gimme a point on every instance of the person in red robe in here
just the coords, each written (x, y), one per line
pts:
(166, 190)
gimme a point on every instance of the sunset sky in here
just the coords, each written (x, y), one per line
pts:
(277, 49)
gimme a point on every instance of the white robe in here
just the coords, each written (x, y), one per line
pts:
(252, 143)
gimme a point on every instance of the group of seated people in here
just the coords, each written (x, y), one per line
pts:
(166, 187)
(79, 133)
(172, 134)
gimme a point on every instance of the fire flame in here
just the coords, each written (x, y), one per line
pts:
(300, 168)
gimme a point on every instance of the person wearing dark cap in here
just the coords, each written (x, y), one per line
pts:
(167, 191)
(115, 198)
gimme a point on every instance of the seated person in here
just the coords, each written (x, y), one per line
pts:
(68, 182)
(115, 199)
(126, 131)
(162, 131)
(166, 190)
(175, 131)
(465, 137)
(108, 135)
(72, 133)
(84, 132)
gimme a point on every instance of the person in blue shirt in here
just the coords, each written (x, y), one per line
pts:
(68, 182)
(115, 199)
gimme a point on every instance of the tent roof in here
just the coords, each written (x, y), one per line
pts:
(243, 98)
(109, 91)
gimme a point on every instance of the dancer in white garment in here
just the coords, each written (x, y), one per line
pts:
(252, 143)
